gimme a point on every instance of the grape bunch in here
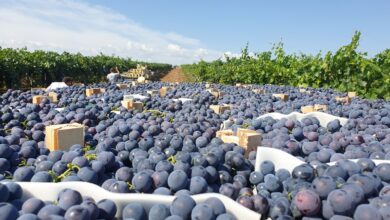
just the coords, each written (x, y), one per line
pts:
(72, 205)
(344, 190)
(170, 148)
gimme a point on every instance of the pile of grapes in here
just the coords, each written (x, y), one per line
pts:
(170, 148)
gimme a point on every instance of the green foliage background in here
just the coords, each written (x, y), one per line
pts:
(345, 70)
(20, 68)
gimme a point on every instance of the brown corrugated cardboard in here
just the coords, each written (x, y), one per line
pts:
(345, 99)
(37, 99)
(320, 107)
(152, 92)
(220, 109)
(53, 97)
(304, 91)
(227, 136)
(122, 86)
(63, 136)
(164, 90)
(131, 105)
(351, 94)
(307, 109)
(215, 92)
(247, 139)
(283, 97)
(258, 91)
(93, 91)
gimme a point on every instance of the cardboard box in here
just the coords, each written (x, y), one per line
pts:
(93, 91)
(122, 86)
(53, 97)
(345, 99)
(152, 92)
(227, 136)
(307, 109)
(37, 89)
(283, 97)
(215, 92)
(63, 136)
(258, 91)
(220, 109)
(351, 94)
(37, 99)
(320, 107)
(304, 91)
(164, 90)
(131, 105)
(247, 139)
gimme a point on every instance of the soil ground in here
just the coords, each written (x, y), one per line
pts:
(176, 75)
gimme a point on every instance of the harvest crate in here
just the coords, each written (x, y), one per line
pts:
(37, 99)
(164, 90)
(344, 100)
(304, 91)
(307, 109)
(63, 136)
(258, 91)
(122, 86)
(94, 91)
(313, 108)
(152, 92)
(53, 97)
(283, 97)
(245, 138)
(131, 105)
(351, 94)
(215, 92)
(220, 109)
(320, 107)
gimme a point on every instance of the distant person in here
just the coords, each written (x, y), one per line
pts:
(114, 75)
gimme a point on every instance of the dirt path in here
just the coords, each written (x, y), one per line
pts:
(175, 75)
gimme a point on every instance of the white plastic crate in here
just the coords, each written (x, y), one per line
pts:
(49, 192)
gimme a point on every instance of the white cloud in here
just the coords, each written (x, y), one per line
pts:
(81, 27)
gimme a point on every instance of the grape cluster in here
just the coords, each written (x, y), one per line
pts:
(170, 147)
(71, 205)
(344, 190)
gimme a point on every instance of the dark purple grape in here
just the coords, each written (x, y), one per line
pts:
(182, 206)
(307, 202)
(365, 212)
(202, 211)
(134, 211)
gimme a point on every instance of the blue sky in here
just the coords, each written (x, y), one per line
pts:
(185, 31)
